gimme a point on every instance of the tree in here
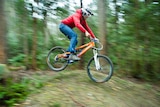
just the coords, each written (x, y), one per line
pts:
(81, 64)
(116, 16)
(102, 24)
(34, 42)
(2, 33)
(23, 20)
(139, 36)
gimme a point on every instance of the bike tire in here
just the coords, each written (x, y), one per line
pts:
(104, 73)
(56, 65)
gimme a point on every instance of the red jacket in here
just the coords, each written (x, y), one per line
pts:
(76, 20)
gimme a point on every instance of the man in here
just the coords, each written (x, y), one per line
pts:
(78, 19)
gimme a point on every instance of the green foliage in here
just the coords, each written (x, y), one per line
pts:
(32, 83)
(17, 60)
(135, 47)
(13, 93)
(62, 12)
(56, 104)
(133, 44)
(3, 71)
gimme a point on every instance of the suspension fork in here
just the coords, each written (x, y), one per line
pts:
(96, 59)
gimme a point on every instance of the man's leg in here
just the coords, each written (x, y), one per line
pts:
(71, 35)
(73, 41)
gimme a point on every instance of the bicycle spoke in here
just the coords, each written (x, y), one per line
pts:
(55, 63)
(104, 72)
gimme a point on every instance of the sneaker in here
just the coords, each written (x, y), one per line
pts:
(70, 61)
(73, 57)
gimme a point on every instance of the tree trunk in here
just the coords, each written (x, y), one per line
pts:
(116, 16)
(2, 33)
(46, 33)
(34, 42)
(34, 45)
(102, 24)
(81, 64)
(26, 49)
(25, 39)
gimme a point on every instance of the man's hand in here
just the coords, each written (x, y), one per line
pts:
(87, 34)
(96, 40)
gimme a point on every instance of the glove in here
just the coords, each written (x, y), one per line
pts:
(96, 40)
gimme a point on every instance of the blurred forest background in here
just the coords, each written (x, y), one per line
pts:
(128, 29)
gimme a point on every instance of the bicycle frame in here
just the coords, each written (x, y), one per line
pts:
(84, 48)
(58, 59)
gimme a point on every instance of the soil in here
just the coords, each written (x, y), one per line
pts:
(75, 89)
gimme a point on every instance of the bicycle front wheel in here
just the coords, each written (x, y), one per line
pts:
(103, 72)
(54, 63)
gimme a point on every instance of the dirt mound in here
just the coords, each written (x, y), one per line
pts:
(75, 89)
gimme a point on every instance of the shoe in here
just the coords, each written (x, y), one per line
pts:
(73, 57)
(70, 61)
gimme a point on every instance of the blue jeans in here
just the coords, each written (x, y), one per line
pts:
(72, 36)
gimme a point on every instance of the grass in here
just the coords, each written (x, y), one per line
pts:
(75, 89)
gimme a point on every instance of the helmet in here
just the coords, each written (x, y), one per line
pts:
(86, 12)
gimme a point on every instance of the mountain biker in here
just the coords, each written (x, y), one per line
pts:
(78, 19)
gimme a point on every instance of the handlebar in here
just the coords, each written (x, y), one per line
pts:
(98, 45)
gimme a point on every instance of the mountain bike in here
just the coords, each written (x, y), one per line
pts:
(99, 67)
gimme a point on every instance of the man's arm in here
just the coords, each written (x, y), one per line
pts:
(88, 29)
(76, 19)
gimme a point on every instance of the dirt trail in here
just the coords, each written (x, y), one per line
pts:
(75, 89)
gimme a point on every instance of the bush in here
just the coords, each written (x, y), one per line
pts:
(13, 93)
(17, 60)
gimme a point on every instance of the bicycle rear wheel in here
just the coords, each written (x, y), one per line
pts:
(54, 63)
(104, 72)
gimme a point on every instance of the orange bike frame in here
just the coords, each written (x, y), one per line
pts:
(85, 48)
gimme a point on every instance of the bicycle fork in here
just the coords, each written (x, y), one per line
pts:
(96, 59)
